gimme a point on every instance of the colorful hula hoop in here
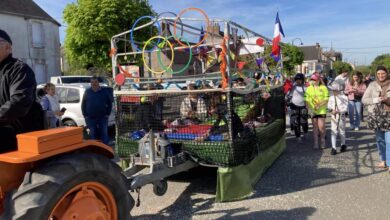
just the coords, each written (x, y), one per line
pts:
(144, 50)
(167, 68)
(132, 32)
(175, 15)
(177, 18)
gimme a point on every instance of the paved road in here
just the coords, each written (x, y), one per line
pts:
(302, 184)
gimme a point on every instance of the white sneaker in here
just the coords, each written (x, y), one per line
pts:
(356, 129)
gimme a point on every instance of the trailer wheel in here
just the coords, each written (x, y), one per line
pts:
(160, 188)
(74, 186)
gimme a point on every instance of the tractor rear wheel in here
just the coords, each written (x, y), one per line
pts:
(74, 186)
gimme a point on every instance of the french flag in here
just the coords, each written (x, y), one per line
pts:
(278, 33)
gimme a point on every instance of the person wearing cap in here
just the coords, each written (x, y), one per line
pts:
(298, 110)
(338, 106)
(316, 98)
(355, 89)
(377, 100)
(19, 111)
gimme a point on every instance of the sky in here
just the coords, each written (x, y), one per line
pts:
(360, 29)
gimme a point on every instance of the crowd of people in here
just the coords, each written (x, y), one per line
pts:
(342, 97)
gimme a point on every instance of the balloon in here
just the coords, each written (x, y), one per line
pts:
(260, 42)
(120, 79)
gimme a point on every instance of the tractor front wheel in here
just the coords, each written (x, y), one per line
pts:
(75, 186)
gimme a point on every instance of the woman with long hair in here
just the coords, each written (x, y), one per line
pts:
(316, 97)
(355, 89)
(377, 100)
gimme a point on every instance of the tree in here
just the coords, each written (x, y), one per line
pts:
(340, 66)
(363, 69)
(92, 23)
(383, 60)
(292, 56)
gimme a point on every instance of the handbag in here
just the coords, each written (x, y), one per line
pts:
(379, 119)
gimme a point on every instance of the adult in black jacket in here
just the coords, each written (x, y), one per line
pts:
(17, 96)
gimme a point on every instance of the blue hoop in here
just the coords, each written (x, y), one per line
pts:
(132, 31)
(175, 15)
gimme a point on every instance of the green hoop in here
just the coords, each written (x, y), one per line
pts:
(167, 68)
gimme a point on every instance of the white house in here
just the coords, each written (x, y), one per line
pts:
(315, 59)
(35, 36)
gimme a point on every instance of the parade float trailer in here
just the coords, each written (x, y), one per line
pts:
(183, 103)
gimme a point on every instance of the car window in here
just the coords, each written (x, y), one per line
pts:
(73, 96)
(61, 93)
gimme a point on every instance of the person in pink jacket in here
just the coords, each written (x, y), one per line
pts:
(355, 89)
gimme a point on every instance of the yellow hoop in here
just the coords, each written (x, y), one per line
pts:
(143, 55)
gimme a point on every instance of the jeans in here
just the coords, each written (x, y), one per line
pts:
(354, 112)
(98, 127)
(383, 144)
(298, 119)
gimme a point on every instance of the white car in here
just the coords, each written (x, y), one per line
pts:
(70, 97)
(76, 80)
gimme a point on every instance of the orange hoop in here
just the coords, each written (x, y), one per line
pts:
(178, 16)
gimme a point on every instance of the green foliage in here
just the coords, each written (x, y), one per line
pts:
(383, 60)
(340, 66)
(92, 23)
(363, 69)
(292, 56)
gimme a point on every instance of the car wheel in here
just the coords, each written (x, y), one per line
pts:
(69, 123)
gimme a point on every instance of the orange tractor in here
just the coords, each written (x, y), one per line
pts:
(55, 174)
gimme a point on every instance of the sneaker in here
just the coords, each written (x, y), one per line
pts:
(356, 129)
(316, 146)
(343, 148)
(333, 151)
(300, 140)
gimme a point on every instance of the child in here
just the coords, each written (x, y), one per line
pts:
(338, 106)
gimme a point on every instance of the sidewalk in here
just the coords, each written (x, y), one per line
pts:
(302, 184)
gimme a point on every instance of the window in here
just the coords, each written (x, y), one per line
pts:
(61, 93)
(73, 96)
(37, 35)
(40, 72)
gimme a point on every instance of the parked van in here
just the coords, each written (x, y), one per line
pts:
(70, 97)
